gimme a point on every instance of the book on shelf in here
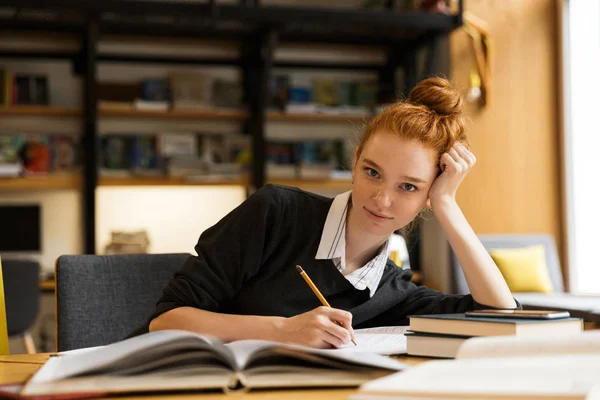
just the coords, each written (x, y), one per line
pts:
(190, 90)
(10, 162)
(502, 367)
(23, 89)
(181, 360)
(151, 105)
(459, 324)
(118, 92)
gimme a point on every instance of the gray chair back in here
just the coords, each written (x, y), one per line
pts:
(100, 299)
(21, 294)
(515, 240)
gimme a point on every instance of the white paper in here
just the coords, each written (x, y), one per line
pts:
(386, 340)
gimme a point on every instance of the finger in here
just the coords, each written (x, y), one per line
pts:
(341, 316)
(331, 340)
(465, 154)
(454, 155)
(459, 162)
(323, 323)
(446, 161)
(336, 335)
(319, 343)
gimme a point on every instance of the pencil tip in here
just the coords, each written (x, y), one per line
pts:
(299, 268)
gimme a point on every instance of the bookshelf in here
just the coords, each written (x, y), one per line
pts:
(39, 111)
(331, 118)
(329, 184)
(166, 181)
(210, 114)
(59, 181)
(257, 29)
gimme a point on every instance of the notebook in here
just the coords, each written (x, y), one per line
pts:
(181, 360)
(503, 367)
(459, 324)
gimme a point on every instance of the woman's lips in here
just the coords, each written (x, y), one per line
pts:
(378, 216)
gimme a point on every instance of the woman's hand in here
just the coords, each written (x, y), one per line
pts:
(454, 164)
(318, 328)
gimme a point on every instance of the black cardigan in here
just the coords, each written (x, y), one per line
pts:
(246, 264)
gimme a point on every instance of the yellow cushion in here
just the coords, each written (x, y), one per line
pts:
(524, 269)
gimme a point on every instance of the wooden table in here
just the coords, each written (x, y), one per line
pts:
(17, 368)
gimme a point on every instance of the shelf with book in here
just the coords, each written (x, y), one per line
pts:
(211, 114)
(168, 181)
(333, 118)
(40, 111)
(314, 184)
(401, 32)
(58, 181)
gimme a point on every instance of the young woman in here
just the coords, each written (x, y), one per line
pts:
(243, 284)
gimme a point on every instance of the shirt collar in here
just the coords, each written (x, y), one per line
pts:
(333, 247)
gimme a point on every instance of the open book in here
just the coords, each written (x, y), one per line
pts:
(542, 367)
(181, 360)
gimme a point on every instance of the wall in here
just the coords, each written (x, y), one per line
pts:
(515, 185)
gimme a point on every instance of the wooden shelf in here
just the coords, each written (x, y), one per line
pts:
(289, 117)
(50, 182)
(40, 111)
(212, 114)
(165, 181)
(313, 184)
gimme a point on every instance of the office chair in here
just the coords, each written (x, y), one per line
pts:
(100, 299)
(22, 298)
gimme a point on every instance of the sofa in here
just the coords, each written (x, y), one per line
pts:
(586, 307)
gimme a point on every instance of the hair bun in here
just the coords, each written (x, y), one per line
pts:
(437, 94)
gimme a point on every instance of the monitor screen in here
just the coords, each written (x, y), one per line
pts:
(20, 228)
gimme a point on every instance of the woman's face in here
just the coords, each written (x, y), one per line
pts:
(392, 177)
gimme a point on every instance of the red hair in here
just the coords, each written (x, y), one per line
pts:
(432, 115)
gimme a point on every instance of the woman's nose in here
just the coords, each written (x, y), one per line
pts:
(382, 197)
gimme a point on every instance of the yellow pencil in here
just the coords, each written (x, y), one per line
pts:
(317, 292)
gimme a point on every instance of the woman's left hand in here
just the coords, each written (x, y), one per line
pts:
(455, 164)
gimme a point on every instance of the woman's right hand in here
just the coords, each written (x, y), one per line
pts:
(318, 328)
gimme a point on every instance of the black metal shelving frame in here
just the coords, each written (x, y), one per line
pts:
(257, 29)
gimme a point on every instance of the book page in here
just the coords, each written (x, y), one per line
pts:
(386, 340)
(248, 351)
(515, 346)
(136, 350)
(559, 375)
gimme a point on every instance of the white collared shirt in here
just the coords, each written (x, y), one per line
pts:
(333, 247)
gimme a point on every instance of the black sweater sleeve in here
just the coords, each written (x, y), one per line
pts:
(229, 253)
(421, 300)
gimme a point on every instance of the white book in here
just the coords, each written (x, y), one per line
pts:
(543, 367)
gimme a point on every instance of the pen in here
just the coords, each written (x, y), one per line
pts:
(317, 292)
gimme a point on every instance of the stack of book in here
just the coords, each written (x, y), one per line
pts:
(441, 335)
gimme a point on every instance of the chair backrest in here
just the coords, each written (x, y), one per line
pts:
(515, 240)
(21, 294)
(3, 331)
(100, 299)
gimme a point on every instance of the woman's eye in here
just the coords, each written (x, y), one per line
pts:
(371, 172)
(409, 187)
